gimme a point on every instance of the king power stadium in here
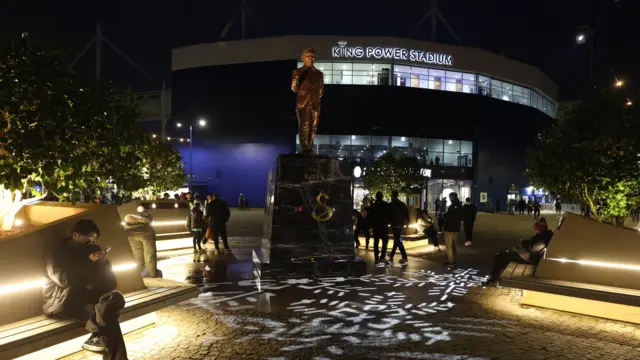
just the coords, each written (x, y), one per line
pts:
(468, 115)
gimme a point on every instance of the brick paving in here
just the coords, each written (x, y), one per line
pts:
(423, 311)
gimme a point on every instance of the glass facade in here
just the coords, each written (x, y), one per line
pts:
(361, 73)
(366, 148)
(441, 188)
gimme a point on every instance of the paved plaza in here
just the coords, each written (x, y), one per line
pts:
(421, 311)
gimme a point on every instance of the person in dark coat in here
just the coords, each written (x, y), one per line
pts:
(529, 251)
(379, 217)
(195, 224)
(536, 209)
(80, 285)
(558, 206)
(469, 212)
(362, 224)
(452, 222)
(399, 218)
(522, 206)
(217, 216)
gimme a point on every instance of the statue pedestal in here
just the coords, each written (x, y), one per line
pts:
(309, 226)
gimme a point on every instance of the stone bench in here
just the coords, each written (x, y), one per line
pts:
(582, 298)
(43, 337)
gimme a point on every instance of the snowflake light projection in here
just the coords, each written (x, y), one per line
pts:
(360, 315)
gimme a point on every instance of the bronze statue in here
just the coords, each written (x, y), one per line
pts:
(308, 83)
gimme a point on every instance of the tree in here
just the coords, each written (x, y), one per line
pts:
(164, 169)
(592, 156)
(56, 132)
(391, 172)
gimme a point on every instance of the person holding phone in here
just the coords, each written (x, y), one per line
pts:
(80, 285)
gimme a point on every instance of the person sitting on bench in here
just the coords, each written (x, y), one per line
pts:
(529, 251)
(80, 285)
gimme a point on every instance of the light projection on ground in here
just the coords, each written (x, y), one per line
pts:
(367, 316)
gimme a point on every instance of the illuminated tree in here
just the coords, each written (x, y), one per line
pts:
(593, 156)
(164, 170)
(59, 134)
(391, 172)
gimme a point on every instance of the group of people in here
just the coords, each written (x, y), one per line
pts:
(243, 202)
(208, 221)
(378, 217)
(529, 206)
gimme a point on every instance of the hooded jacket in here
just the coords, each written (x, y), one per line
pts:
(138, 227)
(72, 279)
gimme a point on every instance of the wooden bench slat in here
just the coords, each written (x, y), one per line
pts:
(519, 271)
(509, 270)
(43, 321)
(529, 270)
(135, 306)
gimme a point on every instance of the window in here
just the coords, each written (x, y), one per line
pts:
(436, 79)
(400, 142)
(361, 147)
(379, 145)
(496, 89)
(362, 73)
(484, 85)
(469, 83)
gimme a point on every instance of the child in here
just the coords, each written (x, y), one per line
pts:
(195, 224)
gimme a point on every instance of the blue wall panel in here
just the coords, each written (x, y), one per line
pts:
(234, 168)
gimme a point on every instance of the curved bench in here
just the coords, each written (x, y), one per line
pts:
(43, 337)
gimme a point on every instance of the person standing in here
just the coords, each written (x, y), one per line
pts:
(142, 239)
(469, 212)
(522, 205)
(452, 220)
(80, 285)
(536, 209)
(195, 224)
(217, 216)
(361, 224)
(399, 218)
(558, 207)
(246, 203)
(241, 202)
(379, 214)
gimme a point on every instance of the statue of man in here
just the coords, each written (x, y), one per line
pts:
(308, 83)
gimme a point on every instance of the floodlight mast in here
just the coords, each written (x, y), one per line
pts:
(434, 14)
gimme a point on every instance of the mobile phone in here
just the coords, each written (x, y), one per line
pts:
(107, 249)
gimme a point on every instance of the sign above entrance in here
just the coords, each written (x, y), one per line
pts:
(425, 172)
(381, 52)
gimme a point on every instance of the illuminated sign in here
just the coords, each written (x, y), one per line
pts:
(380, 52)
(425, 172)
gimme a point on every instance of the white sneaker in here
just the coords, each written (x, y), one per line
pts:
(468, 243)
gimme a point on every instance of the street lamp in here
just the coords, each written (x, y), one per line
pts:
(201, 123)
(629, 102)
(584, 35)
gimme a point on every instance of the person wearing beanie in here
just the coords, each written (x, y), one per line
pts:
(529, 251)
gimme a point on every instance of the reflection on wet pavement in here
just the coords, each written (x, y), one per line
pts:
(388, 306)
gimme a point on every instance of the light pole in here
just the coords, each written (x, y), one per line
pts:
(585, 35)
(201, 123)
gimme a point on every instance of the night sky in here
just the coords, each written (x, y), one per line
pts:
(538, 32)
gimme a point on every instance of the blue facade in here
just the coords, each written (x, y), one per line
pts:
(234, 168)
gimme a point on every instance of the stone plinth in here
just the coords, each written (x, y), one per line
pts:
(309, 208)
